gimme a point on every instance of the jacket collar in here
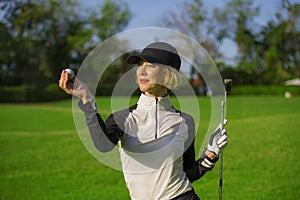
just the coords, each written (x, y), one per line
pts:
(152, 101)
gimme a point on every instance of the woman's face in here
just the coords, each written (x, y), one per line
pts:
(150, 78)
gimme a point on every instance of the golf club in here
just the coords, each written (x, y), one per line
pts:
(227, 84)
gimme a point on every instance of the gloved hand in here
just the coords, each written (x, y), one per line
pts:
(218, 139)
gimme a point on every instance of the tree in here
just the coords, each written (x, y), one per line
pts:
(193, 20)
(281, 42)
(110, 19)
(267, 54)
(270, 53)
(46, 36)
(236, 22)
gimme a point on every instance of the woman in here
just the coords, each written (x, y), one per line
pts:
(156, 142)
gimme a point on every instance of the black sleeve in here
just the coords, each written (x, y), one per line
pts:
(105, 135)
(190, 166)
(194, 169)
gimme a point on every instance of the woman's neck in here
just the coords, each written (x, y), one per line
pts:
(157, 93)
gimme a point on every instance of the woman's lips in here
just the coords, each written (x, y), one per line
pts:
(143, 81)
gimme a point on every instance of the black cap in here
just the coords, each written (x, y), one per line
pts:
(157, 53)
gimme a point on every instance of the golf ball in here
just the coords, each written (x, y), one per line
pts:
(71, 73)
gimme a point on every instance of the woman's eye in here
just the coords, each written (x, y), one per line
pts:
(150, 65)
(141, 63)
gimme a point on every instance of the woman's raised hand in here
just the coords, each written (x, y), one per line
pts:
(75, 87)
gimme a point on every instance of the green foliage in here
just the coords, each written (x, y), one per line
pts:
(43, 37)
(264, 90)
(40, 38)
(114, 16)
(267, 53)
(272, 49)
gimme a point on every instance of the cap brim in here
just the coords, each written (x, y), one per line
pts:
(134, 59)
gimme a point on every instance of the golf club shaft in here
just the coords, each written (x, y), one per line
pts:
(228, 83)
(220, 180)
(221, 153)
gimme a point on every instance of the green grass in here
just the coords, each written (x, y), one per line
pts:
(42, 156)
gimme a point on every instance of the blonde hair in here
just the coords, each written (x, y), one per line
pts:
(171, 77)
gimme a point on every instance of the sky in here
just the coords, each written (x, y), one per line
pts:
(148, 13)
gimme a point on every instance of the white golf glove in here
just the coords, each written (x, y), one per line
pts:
(218, 139)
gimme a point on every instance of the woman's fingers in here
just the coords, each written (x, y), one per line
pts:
(64, 82)
(76, 88)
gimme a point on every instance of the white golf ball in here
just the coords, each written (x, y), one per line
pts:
(71, 73)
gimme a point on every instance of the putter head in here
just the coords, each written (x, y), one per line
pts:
(228, 84)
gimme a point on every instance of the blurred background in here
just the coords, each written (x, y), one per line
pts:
(256, 43)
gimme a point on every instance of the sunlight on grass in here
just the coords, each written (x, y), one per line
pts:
(42, 156)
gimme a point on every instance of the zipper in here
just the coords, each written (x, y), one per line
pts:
(156, 117)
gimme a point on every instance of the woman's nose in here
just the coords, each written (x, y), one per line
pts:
(142, 69)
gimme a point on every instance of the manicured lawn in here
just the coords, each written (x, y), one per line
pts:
(42, 157)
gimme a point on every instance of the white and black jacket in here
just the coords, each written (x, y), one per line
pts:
(156, 144)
